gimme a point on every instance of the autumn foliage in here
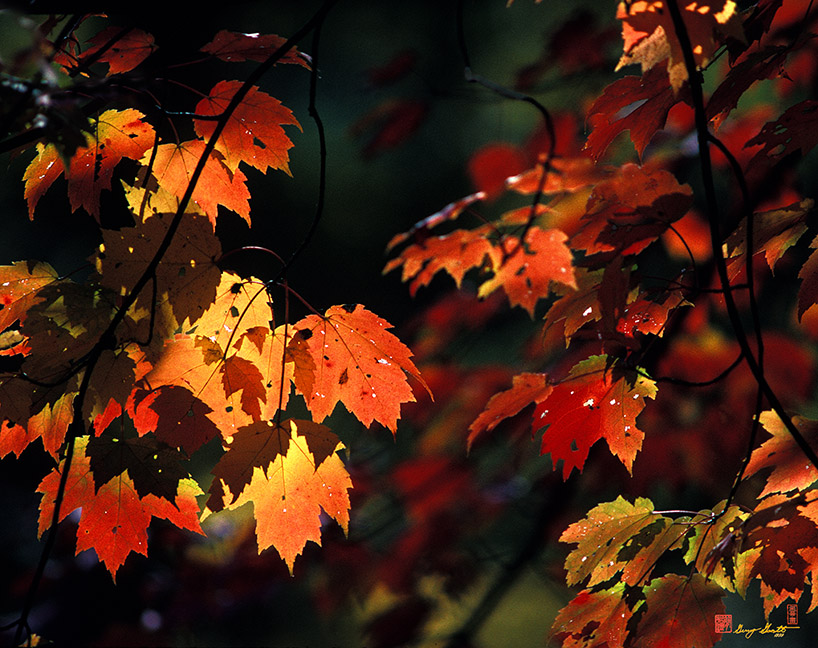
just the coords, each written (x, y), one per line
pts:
(643, 277)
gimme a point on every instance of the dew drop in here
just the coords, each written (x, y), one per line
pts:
(587, 311)
(612, 401)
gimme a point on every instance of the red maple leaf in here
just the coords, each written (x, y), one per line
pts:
(114, 518)
(639, 105)
(594, 402)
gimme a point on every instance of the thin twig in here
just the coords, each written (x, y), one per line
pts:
(711, 205)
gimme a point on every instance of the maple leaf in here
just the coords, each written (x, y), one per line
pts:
(563, 175)
(713, 543)
(629, 211)
(528, 274)
(132, 46)
(575, 308)
(679, 611)
(594, 401)
(790, 469)
(527, 389)
(236, 47)
(173, 166)
(795, 130)
(174, 415)
(456, 253)
(114, 518)
(359, 363)
(112, 381)
(639, 105)
(650, 37)
(19, 285)
(186, 278)
(617, 536)
(647, 316)
(755, 66)
(774, 232)
(289, 493)
(783, 535)
(254, 132)
(808, 292)
(233, 362)
(594, 619)
(116, 134)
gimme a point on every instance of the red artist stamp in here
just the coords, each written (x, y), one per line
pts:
(792, 614)
(724, 623)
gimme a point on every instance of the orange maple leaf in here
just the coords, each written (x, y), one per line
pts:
(528, 274)
(290, 491)
(254, 132)
(114, 518)
(174, 165)
(116, 134)
(359, 363)
(456, 253)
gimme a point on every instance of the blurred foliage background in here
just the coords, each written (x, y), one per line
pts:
(443, 547)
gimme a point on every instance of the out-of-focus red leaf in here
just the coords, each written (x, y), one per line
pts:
(397, 68)
(490, 166)
(390, 124)
(133, 47)
(795, 130)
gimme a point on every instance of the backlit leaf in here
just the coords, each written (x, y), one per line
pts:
(116, 134)
(359, 363)
(254, 132)
(290, 492)
(594, 402)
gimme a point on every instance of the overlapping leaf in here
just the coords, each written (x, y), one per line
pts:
(456, 253)
(595, 401)
(116, 134)
(650, 37)
(172, 170)
(528, 274)
(114, 517)
(639, 105)
(791, 470)
(289, 490)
